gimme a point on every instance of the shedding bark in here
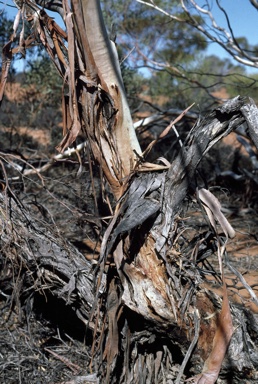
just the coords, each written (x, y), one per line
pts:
(146, 300)
(151, 300)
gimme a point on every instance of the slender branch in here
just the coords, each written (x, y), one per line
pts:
(152, 5)
(254, 3)
(45, 167)
(221, 36)
(214, 33)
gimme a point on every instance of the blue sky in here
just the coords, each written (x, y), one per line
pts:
(12, 12)
(243, 17)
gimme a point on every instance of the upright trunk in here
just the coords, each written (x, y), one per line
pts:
(115, 144)
(107, 62)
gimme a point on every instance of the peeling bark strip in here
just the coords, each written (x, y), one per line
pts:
(250, 112)
(213, 209)
(224, 331)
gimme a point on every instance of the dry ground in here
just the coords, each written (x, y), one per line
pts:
(42, 342)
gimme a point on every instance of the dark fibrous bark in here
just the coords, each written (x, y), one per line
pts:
(147, 304)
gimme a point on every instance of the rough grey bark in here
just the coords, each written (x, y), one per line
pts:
(148, 309)
(50, 262)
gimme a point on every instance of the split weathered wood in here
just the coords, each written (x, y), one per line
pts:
(167, 298)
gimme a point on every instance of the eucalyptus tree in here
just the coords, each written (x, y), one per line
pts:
(211, 20)
(152, 317)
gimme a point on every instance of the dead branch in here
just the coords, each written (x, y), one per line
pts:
(145, 274)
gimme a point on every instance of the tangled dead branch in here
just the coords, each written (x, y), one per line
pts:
(152, 307)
